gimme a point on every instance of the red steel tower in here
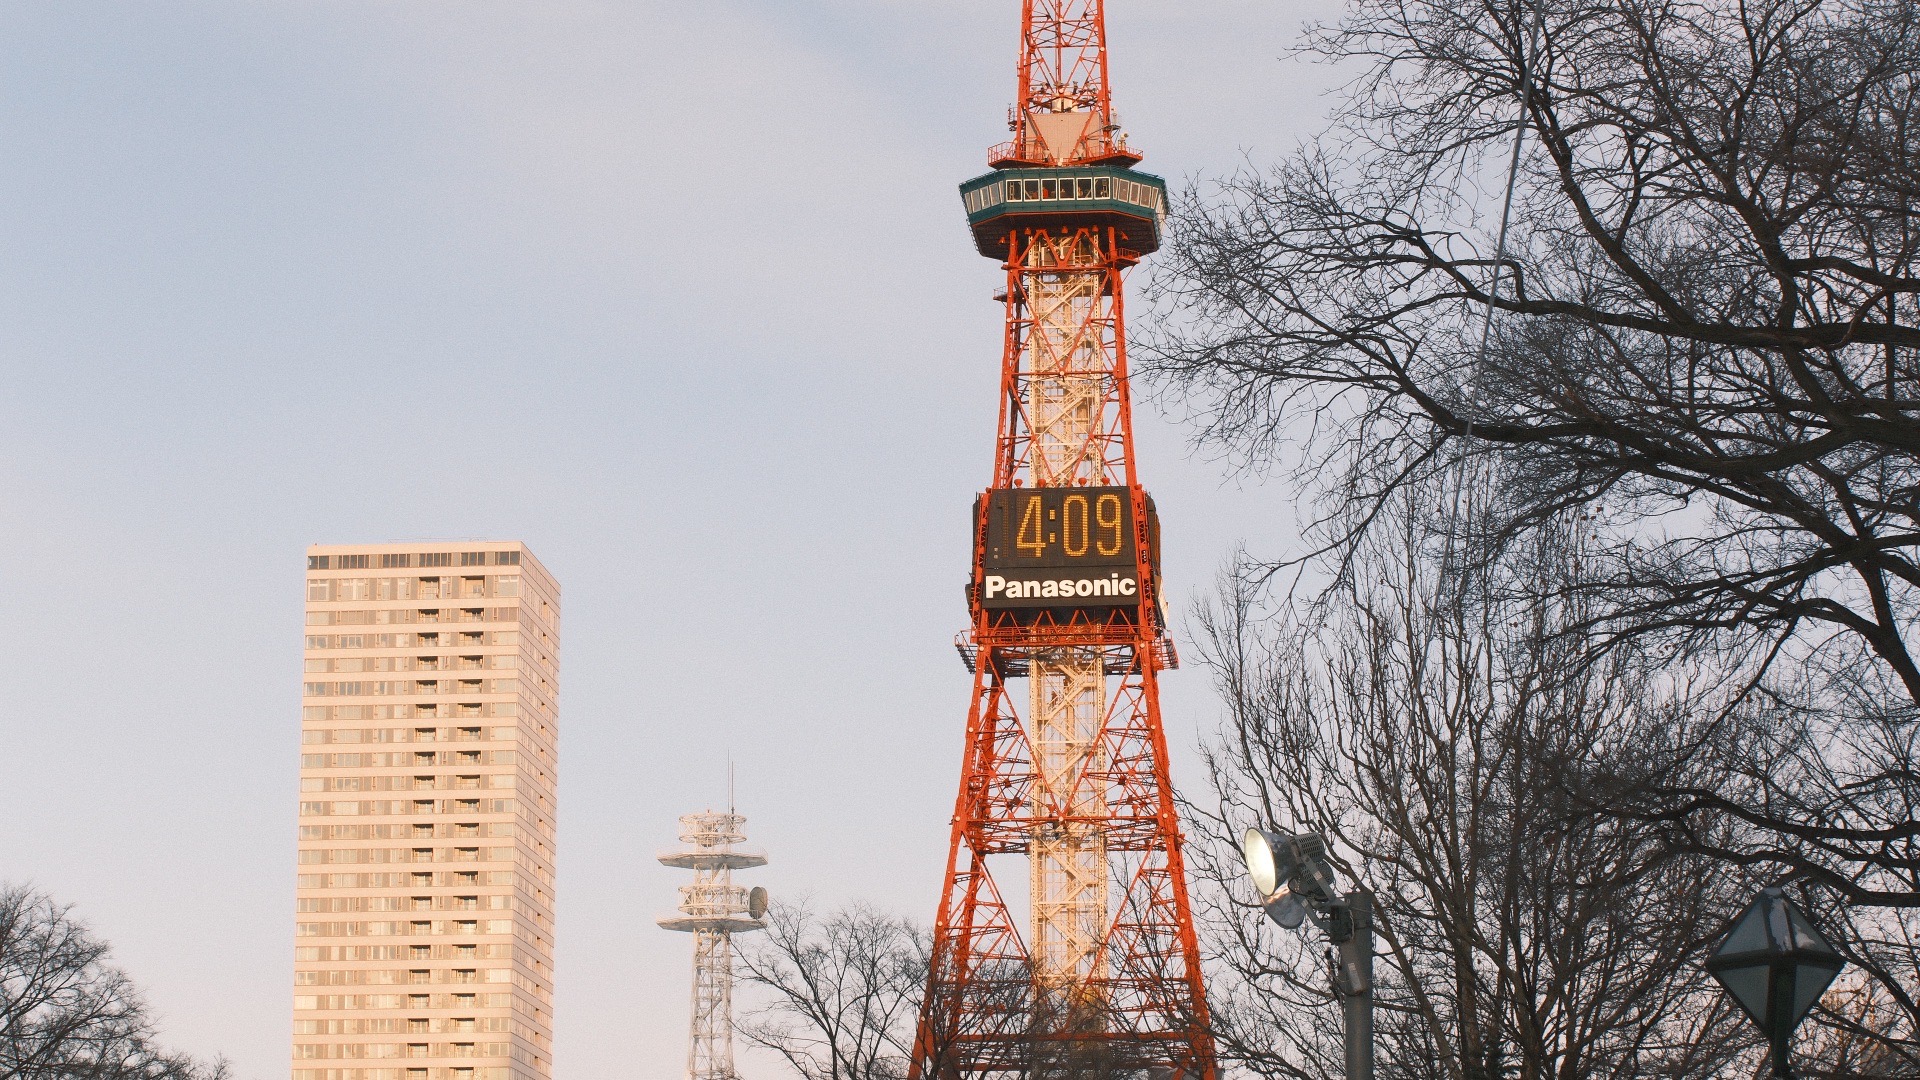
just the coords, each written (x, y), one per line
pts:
(1065, 765)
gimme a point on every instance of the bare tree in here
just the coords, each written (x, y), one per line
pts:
(65, 1013)
(1425, 723)
(841, 994)
(841, 991)
(1700, 326)
(1707, 292)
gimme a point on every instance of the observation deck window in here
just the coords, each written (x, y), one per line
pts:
(1038, 189)
(991, 195)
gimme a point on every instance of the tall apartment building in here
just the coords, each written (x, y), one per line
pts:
(423, 946)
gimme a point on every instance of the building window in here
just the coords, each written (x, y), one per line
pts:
(318, 562)
(506, 558)
(388, 562)
(507, 585)
(319, 589)
(473, 586)
(473, 558)
(353, 562)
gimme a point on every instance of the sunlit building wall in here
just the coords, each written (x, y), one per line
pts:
(423, 944)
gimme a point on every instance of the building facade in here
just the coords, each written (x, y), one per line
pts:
(423, 945)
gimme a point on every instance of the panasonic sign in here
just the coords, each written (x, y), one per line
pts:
(1051, 588)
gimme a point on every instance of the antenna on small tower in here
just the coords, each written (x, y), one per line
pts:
(713, 909)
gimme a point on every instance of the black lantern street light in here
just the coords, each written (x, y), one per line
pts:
(1775, 964)
(1295, 882)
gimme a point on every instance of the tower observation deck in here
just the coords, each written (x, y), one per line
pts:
(1065, 762)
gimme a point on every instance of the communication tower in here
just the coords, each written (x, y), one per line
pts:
(714, 909)
(1065, 761)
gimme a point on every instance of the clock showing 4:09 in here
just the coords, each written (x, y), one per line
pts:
(1059, 547)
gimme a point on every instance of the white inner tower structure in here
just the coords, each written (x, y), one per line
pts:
(1068, 376)
(713, 909)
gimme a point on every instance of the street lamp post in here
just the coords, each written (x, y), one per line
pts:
(1295, 882)
(1775, 964)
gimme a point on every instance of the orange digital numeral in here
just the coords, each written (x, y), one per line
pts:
(1074, 548)
(1032, 524)
(1106, 513)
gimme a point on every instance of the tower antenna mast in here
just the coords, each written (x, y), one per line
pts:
(1065, 761)
(714, 909)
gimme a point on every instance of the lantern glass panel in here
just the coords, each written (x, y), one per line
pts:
(1748, 985)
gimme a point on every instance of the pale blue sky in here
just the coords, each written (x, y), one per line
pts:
(680, 294)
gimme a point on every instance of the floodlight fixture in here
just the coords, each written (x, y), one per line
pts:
(1288, 871)
(1295, 879)
(1257, 847)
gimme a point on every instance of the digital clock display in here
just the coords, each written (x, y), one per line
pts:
(1059, 547)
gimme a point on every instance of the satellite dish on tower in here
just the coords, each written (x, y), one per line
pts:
(757, 902)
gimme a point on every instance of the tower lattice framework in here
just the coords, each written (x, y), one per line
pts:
(714, 909)
(1065, 760)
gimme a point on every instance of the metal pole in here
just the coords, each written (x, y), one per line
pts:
(1780, 983)
(1354, 936)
